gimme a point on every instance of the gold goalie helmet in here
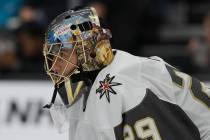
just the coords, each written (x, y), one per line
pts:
(76, 33)
(75, 44)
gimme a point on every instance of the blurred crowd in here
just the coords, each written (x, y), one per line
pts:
(134, 24)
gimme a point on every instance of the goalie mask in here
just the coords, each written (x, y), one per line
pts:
(75, 43)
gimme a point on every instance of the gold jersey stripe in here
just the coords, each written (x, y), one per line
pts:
(69, 90)
(79, 85)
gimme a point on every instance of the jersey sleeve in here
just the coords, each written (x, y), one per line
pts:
(178, 88)
(193, 96)
(157, 78)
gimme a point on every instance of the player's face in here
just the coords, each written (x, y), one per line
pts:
(66, 63)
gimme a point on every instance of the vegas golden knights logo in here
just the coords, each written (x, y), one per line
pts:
(106, 87)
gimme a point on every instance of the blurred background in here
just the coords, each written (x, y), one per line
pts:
(176, 30)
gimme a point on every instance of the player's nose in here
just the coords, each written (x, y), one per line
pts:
(56, 68)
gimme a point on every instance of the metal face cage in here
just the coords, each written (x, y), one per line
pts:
(69, 33)
(56, 54)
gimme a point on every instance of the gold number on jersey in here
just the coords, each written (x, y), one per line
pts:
(196, 87)
(144, 129)
(128, 133)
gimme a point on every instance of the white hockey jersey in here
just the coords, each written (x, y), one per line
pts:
(138, 98)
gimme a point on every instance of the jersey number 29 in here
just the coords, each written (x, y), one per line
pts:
(144, 128)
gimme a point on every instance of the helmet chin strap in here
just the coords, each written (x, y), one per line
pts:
(48, 106)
